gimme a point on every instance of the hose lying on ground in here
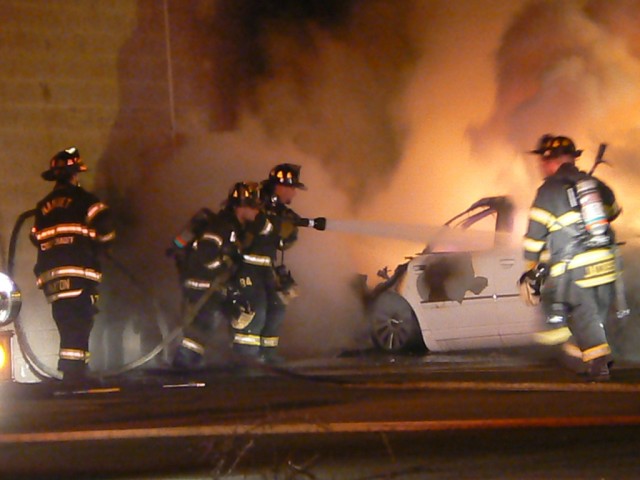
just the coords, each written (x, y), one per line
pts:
(42, 371)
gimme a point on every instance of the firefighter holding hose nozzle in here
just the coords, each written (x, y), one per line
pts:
(71, 227)
(570, 219)
(267, 285)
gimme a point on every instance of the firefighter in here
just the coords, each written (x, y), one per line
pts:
(266, 285)
(71, 228)
(564, 221)
(206, 253)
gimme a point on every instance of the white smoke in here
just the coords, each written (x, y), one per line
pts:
(566, 68)
(400, 112)
(573, 68)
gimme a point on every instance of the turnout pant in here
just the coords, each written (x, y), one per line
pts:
(190, 352)
(271, 332)
(74, 318)
(588, 312)
(260, 335)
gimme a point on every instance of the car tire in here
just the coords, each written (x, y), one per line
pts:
(394, 326)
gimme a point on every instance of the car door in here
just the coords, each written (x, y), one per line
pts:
(453, 295)
(517, 320)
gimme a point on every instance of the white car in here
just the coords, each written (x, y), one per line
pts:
(450, 299)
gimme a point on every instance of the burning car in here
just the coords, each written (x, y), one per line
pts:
(446, 298)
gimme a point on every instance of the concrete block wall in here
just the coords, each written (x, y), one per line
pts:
(60, 85)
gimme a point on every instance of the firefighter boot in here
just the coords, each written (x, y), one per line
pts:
(598, 369)
(73, 371)
(186, 359)
(76, 375)
(247, 351)
(270, 356)
(246, 360)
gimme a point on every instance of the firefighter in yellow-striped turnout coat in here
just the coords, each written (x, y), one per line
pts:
(580, 288)
(71, 226)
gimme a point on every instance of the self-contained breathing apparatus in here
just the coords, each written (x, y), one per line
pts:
(183, 241)
(242, 194)
(592, 230)
(183, 244)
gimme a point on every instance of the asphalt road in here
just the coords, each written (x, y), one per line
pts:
(478, 415)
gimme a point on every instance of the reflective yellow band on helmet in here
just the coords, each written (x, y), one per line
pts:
(596, 352)
(192, 345)
(242, 339)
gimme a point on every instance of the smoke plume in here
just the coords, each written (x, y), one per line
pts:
(573, 68)
(249, 84)
(322, 75)
(570, 68)
(400, 112)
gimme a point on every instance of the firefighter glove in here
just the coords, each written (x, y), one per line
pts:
(284, 279)
(529, 288)
(235, 304)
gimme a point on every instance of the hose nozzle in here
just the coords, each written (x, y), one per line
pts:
(319, 223)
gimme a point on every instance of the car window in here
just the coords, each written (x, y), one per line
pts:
(482, 232)
(469, 234)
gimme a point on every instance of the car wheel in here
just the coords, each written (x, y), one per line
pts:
(394, 326)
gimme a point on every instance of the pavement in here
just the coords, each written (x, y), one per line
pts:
(231, 421)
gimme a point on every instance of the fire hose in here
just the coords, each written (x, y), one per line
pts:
(42, 371)
(317, 223)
